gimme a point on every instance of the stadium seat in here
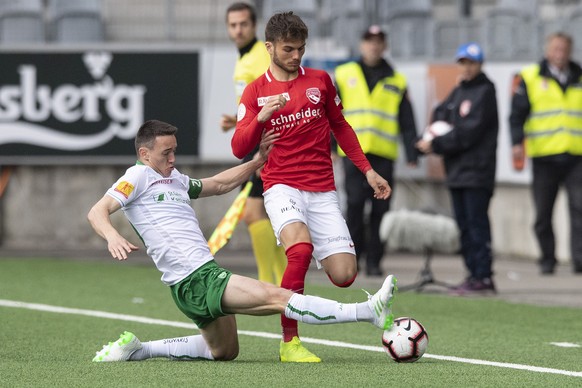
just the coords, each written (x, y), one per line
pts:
(306, 9)
(511, 30)
(347, 20)
(449, 34)
(574, 28)
(409, 24)
(21, 21)
(76, 20)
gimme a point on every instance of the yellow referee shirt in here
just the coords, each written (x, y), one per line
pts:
(250, 66)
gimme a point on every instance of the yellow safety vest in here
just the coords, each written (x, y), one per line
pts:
(249, 67)
(554, 125)
(374, 116)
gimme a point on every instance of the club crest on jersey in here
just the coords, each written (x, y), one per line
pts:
(261, 101)
(314, 95)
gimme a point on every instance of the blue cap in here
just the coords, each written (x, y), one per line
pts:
(471, 51)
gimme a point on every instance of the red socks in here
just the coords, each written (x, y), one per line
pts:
(298, 260)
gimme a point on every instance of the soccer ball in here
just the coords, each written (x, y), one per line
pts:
(406, 341)
(438, 128)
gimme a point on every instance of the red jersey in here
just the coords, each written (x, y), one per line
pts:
(301, 157)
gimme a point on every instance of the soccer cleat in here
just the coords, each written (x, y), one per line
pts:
(381, 303)
(294, 351)
(119, 350)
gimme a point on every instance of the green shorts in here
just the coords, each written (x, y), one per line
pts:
(199, 296)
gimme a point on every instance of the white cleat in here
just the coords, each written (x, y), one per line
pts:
(381, 303)
(119, 350)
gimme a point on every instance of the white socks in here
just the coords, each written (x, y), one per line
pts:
(182, 348)
(320, 311)
(303, 308)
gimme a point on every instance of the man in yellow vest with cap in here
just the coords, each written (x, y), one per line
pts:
(376, 105)
(546, 124)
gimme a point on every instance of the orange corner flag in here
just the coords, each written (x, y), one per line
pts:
(227, 224)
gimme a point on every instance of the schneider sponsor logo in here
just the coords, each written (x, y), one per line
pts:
(25, 106)
(302, 114)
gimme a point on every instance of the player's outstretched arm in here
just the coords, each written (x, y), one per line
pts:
(227, 180)
(382, 189)
(99, 219)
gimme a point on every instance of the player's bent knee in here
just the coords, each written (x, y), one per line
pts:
(226, 354)
(227, 350)
(344, 279)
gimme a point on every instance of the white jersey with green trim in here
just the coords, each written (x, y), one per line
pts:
(159, 210)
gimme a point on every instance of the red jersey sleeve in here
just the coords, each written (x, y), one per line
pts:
(248, 129)
(343, 131)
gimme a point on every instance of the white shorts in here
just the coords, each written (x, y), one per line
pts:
(319, 211)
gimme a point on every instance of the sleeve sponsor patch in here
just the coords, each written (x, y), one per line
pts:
(242, 111)
(125, 188)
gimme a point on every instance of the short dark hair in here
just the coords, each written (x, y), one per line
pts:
(285, 26)
(149, 131)
(240, 6)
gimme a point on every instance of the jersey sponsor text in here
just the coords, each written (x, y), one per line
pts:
(302, 114)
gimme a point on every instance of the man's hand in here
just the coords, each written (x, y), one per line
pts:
(120, 247)
(267, 143)
(382, 189)
(424, 146)
(99, 219)
(227, 122)
(518, 157)
(274, 104)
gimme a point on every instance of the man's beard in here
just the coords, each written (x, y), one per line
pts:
(277, 62)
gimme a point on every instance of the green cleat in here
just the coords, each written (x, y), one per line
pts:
(119, 350)
(381, 304)
(294, 351)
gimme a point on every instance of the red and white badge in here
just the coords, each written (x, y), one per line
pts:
(314, 95)
(465, 108)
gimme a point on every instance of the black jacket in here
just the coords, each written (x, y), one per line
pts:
(469, 150)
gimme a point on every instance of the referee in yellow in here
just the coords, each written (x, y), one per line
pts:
(253, 61)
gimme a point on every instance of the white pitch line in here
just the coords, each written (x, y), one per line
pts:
(339, 344)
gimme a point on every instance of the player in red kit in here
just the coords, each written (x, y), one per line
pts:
(302, 106)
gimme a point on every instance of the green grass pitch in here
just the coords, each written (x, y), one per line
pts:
(473, 342)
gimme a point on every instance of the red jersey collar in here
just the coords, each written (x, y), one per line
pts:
(271, 78)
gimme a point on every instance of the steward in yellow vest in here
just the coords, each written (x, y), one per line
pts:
(372, 110)
(375, 103)
(546, 123)
(554, 123)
